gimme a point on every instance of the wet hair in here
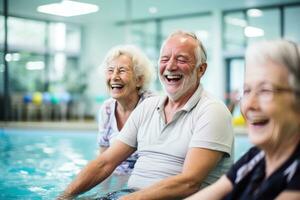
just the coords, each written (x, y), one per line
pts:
(200, 51)
(142, 66)
(283, 52)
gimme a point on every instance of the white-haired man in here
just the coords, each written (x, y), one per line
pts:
(184, 139)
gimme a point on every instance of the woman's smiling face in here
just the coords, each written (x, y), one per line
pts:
(121, 79)
(268, 104)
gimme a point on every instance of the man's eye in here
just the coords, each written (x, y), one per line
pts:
(181, 61)
(164, 60)
(265, 91)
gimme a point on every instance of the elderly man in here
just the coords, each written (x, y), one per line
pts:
(184, 139)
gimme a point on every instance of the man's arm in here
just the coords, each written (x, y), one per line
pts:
(97, 170)
(198, 163)
(215, 191)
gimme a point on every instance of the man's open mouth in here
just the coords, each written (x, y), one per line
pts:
(173, 78)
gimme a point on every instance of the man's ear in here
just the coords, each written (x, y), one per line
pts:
(139, 81)
(201, 70)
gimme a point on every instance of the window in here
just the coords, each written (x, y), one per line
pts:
(42, 57)
(235, 24)
(266, 25)
(1, 31)
(291, 18)
(144, 35)
(234, 83)
(63, 37)
(26, 34)
(26, 72)
(1, 73)
(1, 53)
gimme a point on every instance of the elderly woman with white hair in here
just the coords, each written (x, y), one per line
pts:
(271, 107)
(128, 73)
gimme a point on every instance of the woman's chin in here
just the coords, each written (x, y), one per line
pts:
(258, 139)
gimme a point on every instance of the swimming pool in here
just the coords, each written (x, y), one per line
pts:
(38, 164)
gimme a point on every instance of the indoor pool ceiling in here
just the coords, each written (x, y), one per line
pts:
(116, 10)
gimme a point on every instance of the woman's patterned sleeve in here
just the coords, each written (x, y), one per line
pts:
(103, 126)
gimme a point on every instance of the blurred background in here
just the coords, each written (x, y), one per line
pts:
(50, 54)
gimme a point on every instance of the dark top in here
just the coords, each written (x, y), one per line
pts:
(248, 176)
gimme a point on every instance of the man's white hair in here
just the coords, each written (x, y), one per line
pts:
(200, 51)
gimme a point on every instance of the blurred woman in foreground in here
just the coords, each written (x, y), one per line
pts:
(271, 107)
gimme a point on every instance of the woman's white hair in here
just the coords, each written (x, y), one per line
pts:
(142, 66)
(283, 52)
(200, 51)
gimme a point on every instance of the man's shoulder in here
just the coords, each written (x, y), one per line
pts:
(152, 100)
(208, 100)
(147, 93)
(148, 105)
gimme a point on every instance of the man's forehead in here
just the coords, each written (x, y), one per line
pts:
(180, 38)
(183, 41)
(178, 44)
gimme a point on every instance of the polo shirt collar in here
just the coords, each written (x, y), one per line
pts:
(189, 105)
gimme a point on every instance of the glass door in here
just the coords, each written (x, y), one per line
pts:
(234, 83)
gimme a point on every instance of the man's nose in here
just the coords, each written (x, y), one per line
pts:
(171, 65)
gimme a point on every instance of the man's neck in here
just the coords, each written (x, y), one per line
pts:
(172, 106)
(176, 104)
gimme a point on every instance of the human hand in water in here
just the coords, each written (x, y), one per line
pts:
(131, 196)
(65, 196)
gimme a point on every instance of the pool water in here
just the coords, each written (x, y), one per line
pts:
(38, 164)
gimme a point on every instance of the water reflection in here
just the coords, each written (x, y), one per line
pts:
(39, 165)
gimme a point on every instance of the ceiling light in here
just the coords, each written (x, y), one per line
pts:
(254, 13)
(35, 65)
(68, 8)
(152, 10)
(236, 21)
(251, 31)
(12, 57)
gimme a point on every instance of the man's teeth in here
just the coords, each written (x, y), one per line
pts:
(173, 76)
(116, 86)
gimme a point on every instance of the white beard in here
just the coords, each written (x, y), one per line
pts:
(189, 82)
